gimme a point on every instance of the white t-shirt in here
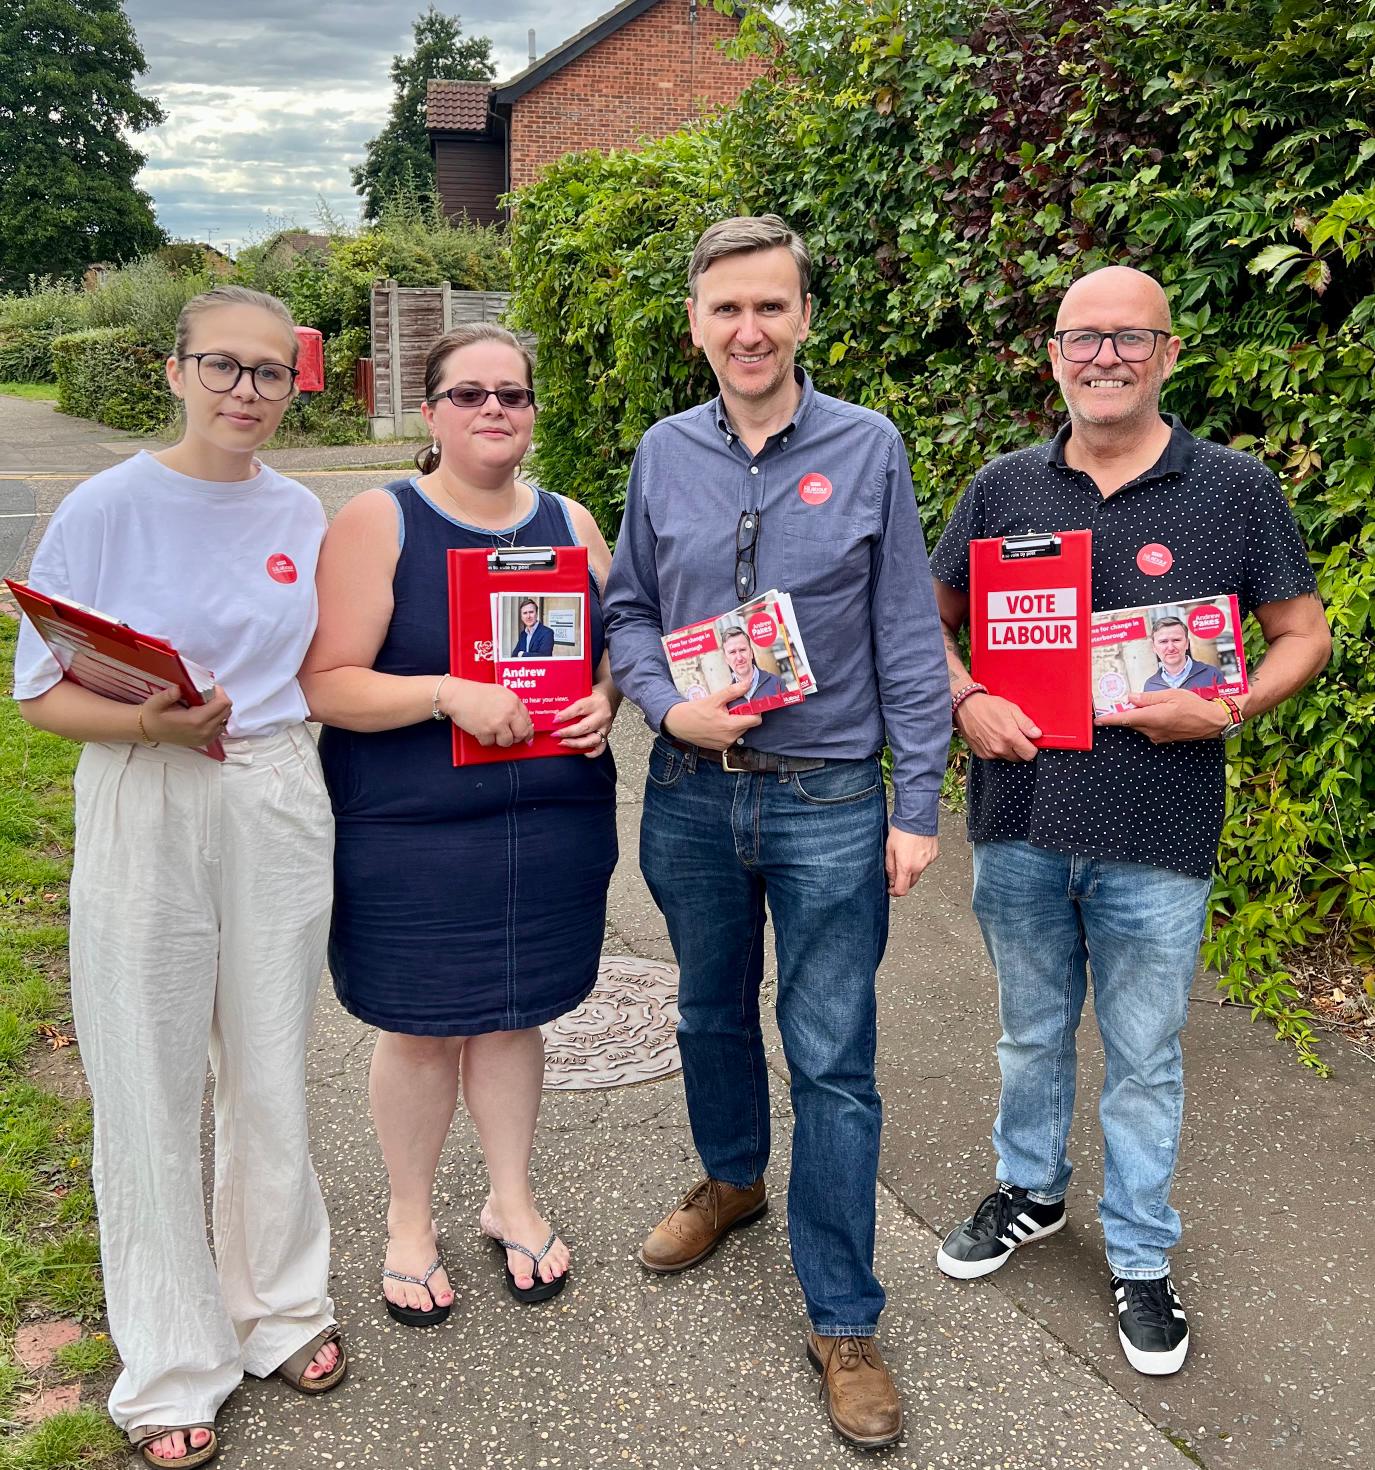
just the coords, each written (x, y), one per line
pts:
(224, 572)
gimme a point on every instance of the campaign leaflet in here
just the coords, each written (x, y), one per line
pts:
(758, 643)
(1168, 645)
(537, 641)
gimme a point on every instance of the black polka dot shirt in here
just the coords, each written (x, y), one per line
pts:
(1203, 521)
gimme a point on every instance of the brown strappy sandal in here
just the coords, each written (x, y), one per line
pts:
(293, 1371)
(147, 1434)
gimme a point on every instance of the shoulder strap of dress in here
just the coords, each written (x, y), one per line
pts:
(564, 511)
(398, 489)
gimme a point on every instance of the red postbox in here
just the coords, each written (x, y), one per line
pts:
(310, 361)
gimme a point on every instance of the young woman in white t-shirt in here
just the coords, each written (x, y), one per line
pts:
(200, 890)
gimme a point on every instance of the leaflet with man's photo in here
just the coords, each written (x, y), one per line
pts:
(757, 643)
(1193, 645)
(538, 646)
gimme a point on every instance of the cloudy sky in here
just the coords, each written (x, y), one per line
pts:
(269, 102)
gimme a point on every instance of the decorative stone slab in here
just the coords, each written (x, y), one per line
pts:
(625, 1031)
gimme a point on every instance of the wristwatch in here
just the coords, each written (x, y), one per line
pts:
(1234, 722)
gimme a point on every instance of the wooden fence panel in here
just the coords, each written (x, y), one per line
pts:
(406, 322)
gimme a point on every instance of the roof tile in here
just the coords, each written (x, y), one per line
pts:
(457, 107)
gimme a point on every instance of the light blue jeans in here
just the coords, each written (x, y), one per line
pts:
(1047, 919)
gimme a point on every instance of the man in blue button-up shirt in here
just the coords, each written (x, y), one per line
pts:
(774, 485)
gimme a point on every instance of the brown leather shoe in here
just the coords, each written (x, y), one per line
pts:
(860, 1395)
(699, 1222)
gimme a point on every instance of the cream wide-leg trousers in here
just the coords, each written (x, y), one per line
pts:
(200, 910)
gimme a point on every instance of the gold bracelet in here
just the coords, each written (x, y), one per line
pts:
(144, 733)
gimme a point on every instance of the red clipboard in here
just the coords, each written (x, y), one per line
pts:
(486, 590)
(1030, 601)
(110, 658)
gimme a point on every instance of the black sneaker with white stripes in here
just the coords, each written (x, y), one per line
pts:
(1151, 1324)
(1006, 1219)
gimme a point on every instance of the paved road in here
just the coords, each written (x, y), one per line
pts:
(45, 454)
(1020, 1372)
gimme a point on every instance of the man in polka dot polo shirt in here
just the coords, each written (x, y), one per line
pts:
(1104, 858)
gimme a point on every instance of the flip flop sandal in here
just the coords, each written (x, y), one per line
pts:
(293, 1371)
(540, 1291)
(414, 1316)
(146, 1434)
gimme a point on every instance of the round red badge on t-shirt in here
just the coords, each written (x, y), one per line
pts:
(814, 489)
(281, 568)
(762, 630)
(1206, 622)
(1155, 560)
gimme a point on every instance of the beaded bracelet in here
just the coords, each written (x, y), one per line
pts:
(143, 734)
(956, 700)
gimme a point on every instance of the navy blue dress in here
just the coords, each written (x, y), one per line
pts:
(466, 899)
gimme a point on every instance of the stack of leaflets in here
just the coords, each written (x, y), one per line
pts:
(1196, 644)
(757, 643)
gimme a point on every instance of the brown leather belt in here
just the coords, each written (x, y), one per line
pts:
(740, 759)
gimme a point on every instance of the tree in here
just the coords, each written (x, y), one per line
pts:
(398, 158)
(67, 100)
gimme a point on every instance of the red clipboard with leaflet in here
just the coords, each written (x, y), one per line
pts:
(112, 659)
(1030, 601)
(521, 616)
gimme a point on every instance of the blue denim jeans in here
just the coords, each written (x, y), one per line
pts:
(714, 847)
(1047, 919)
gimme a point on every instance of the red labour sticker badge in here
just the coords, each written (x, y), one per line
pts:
(762, 630)
(280, 567)
(814, 488)
(1154, 559)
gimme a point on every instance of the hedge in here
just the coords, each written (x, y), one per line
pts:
(602, 243)
(954, 166)
(28, 325)
(106, 373)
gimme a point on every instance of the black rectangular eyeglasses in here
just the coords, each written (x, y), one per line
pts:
(746, 539)
(1131, 344)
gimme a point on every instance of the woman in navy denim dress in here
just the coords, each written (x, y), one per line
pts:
(458, 927)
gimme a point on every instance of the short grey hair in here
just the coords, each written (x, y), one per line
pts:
(747, 233)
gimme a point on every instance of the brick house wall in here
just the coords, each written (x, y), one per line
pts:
(649, 78)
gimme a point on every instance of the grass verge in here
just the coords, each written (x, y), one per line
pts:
(45, 391)
(49, 1259)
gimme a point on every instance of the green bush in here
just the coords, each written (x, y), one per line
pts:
(28, 325)
(146, 296)
(954, 167)
(599, 248)
(108, 374)
(413, 244)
